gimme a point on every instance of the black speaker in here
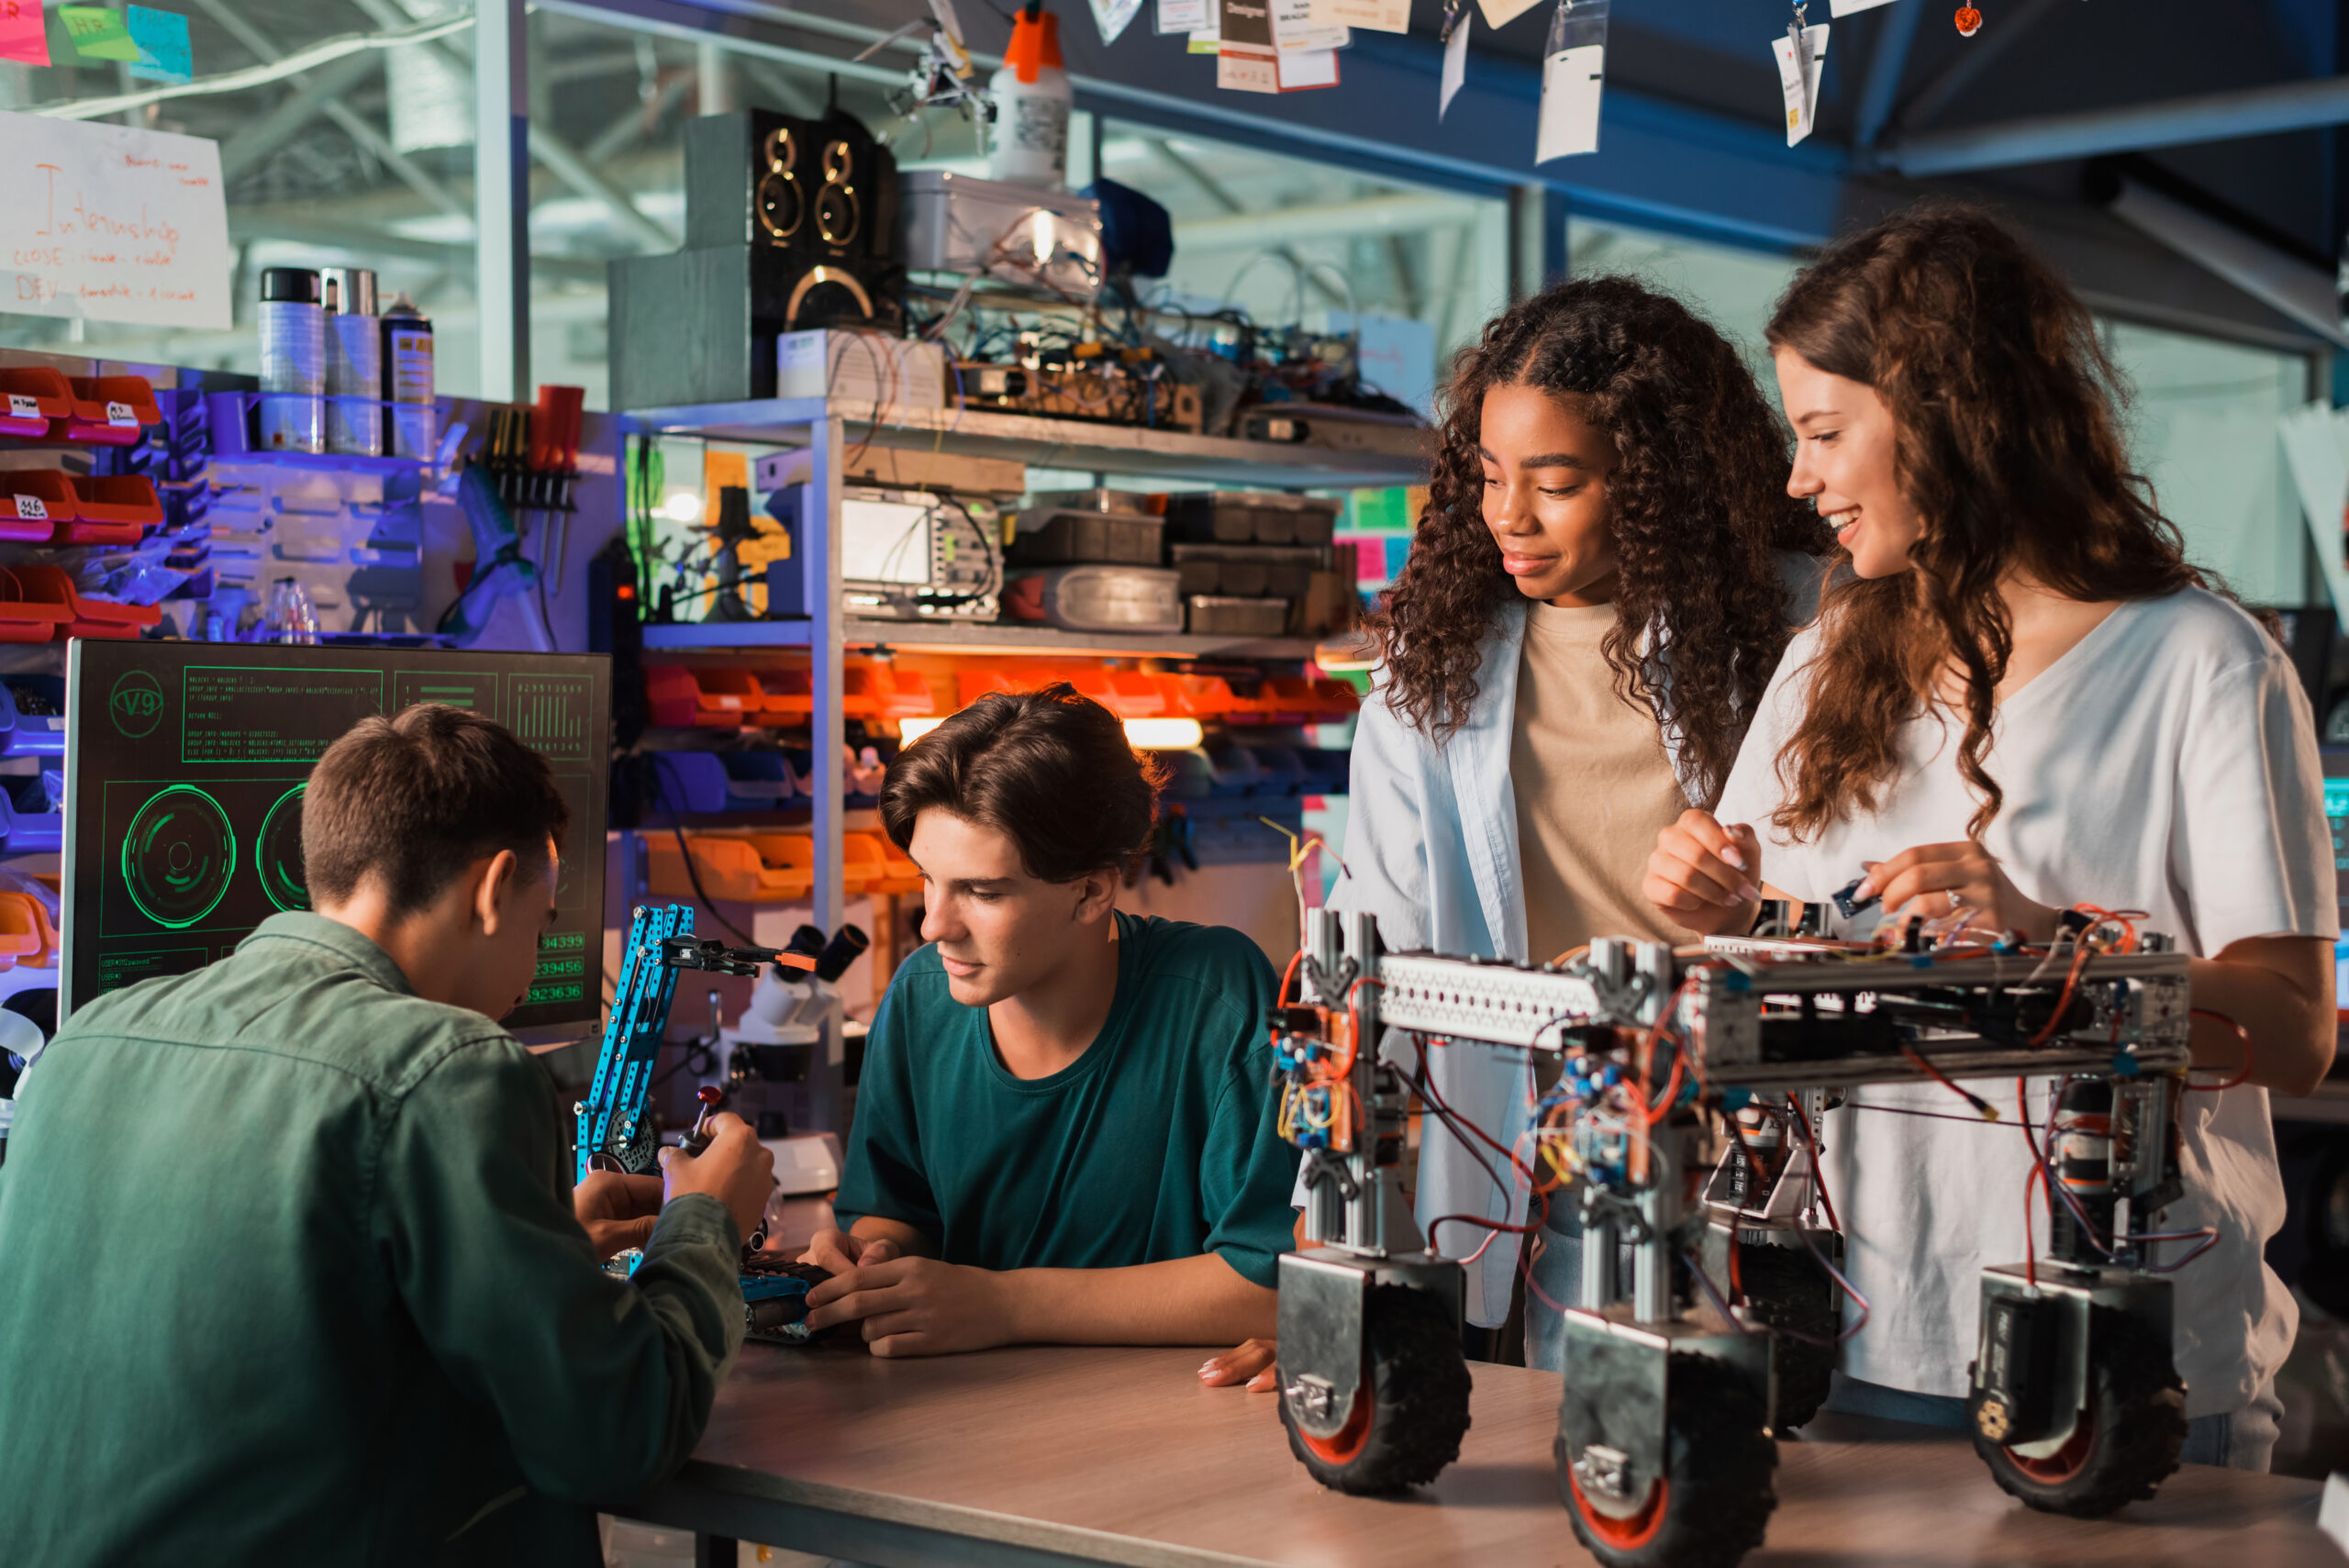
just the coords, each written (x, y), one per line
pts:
(816, 201)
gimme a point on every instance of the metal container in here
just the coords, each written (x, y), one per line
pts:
(354, 361)
(293, 361)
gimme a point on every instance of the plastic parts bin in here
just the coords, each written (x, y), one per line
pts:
(113, 510)
(730, 867)
(34, 502)
(110, 411)
(31, 399)
(1250, 516)
(690, 781)
(1214, 615)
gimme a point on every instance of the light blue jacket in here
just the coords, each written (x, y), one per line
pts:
(1431, 849)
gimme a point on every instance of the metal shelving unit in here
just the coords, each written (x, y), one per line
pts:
(1339, 456)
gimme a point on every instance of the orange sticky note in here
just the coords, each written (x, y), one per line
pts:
(24, 32)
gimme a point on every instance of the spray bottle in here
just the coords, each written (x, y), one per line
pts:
(1032, 97)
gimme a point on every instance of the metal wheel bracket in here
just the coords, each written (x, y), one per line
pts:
(1615, 1411)
(1322, 1292)
(2075, 1291)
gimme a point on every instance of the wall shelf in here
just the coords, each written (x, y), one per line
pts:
(1340, 454)
(952, 637)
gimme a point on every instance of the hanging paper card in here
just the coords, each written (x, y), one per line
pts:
(1184, 15)
(1244, 55)
(1206, 40)
(113, 223)
(1854, 7)
(163, 52)
(1378, 16)
(98, 33)
(1803, 97)
(1294, 30)
(24, 32)
(1455, 65)
(1301, 70)
(1113, 16)
(1573, 73)
(950, 25)
(1499, 14)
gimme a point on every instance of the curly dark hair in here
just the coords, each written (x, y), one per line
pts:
(1699, 506)
(2009, 447)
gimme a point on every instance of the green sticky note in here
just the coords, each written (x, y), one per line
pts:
(98, 33)
(163, 52)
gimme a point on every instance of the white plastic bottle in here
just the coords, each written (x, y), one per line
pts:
(1029, 143)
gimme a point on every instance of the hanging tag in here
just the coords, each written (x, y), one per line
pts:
(1378, 16)
(1799, 67)
(1301, 70)
(120, 417)
(1206, 40)
(1499, 14)
(23, 407)
(32, 508)
(1455, 60)
(1113, 16)
(1294, 30)
(1854, 7)
(1184, 15)
(1246, 61)
(1574, 76)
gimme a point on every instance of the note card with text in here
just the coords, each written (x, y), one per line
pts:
(98, 33)
(112, 224)
(163, 52)
(24, 32)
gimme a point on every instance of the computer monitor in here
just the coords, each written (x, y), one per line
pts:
(2336, 812)
(184, 768)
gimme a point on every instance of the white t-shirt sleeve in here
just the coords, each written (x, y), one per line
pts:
(1754, 789)
(2250, 844)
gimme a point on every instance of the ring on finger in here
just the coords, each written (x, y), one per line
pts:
(1955, 900)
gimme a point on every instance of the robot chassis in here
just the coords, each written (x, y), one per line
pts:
(615, 1130)
(1663, 1451)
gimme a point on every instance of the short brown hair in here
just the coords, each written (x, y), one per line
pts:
(415, 798)
(1048, 769)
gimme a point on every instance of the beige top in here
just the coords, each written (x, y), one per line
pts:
(1594, 787)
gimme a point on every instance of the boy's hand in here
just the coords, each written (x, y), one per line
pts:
(841, 1251)
(617, 1211)
(736, 1169)
(917, 1306)
(1250, 1362)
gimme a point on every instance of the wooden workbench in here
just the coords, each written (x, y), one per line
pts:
(1060, 1455)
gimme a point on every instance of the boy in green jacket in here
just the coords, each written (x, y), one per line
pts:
(288, 1270)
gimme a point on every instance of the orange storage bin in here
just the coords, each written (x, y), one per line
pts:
(791, 693)
(678, 698)
(1197, 696)
(51, 944)
(899, 874)
(19, 929)
(728, 868)
(31, 398)
(34, 502)
(109, 410)
(787, 863)
(114, 509)
(862, 865)
(1135, 694)
(902, 693)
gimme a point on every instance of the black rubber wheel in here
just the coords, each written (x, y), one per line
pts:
(1716, 1497)
(1786, 1289)
(1413, 1407)
(2127, 1439)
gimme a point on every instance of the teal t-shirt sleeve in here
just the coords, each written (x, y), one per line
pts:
(1246, 1170)
(885, 1175)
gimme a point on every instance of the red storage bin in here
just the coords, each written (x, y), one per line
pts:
(32, 608)
(116, 509)
(35, 502)
(704, 699)
(90, 617)
(109, 410)
(31, 398)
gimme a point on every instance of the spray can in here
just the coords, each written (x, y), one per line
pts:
(293, 361)
(1030, 143)
(354, 361)
(407, 380)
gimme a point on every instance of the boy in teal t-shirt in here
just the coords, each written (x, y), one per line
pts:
(1064, 1131)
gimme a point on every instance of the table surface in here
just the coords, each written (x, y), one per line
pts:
(1122, 1456)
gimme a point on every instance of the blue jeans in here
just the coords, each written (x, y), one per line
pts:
(2241, 1440)
(1556, 1276)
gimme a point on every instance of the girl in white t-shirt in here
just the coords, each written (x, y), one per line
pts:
(2021, 698)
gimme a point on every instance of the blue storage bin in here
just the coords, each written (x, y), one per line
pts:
(36, 733)
(693, 782)
(757, 781)
(1189, 775)
(1284, 774)
(1232, 770)
(1328, 769)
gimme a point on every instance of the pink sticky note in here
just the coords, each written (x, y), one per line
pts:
(24, 32)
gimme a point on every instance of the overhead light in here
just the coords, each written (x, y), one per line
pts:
(682, 507)
(1163, 734)
(912, 730)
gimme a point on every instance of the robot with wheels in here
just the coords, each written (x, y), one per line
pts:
(1672, 1389)
(616, 1130)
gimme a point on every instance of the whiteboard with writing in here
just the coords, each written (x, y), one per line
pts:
(112, 224)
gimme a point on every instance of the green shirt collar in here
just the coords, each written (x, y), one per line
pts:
(345, 941)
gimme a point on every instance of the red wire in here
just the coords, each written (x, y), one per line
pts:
(1818, 1166)
(2241, 1033)
(2038, 1177)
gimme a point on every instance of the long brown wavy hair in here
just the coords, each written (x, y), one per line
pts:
(1699, 500)
(2010, 450)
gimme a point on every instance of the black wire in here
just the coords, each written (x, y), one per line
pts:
(693, 874)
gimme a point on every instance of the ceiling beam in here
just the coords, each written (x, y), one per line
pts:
(2285, 284)
(1888, 63)
(2179, 122)
(257, 139)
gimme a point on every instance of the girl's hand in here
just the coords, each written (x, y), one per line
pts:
(1250, 1362)
(1941, 881)
(1706, 876)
